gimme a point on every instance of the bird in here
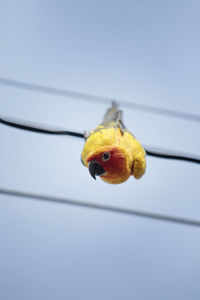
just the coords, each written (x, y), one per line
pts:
(111, 151)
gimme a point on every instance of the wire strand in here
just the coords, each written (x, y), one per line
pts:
(33, 128)
(87, 97)
(172, 156)
(108, 208)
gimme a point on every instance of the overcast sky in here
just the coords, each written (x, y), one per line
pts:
(138, 51)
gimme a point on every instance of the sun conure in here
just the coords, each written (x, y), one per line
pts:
(111, 151)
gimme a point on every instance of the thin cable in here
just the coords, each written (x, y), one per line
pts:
(172, 156)
(87, 97)
(158, 217)
(33, 128)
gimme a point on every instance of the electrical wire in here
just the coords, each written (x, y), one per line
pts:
(177, 156)
(87, 97)
(133, 212)
(45, 130)
(33, 128)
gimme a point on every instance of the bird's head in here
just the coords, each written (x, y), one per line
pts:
(110, 163)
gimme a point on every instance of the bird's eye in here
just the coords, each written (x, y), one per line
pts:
(105, 156)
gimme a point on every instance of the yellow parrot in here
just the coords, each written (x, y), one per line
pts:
(111, 151)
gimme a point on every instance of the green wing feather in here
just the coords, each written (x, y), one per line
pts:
(114, 118)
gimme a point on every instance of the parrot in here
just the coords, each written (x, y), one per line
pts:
(111, 151)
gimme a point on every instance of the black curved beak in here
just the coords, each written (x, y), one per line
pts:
(96, 169)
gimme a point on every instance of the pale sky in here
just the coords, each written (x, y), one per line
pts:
(138, 51)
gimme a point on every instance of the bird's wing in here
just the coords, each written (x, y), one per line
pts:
(114, 118)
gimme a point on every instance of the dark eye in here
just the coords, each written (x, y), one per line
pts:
(105, 156)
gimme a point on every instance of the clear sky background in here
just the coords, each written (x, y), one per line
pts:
(140, 51)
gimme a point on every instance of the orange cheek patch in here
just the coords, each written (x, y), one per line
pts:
(115, 166)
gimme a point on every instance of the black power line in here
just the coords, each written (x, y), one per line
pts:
(87, 97)
(108, 208)
(177, 156)
(34, 128)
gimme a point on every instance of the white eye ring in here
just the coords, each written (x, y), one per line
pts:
(106, 156)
